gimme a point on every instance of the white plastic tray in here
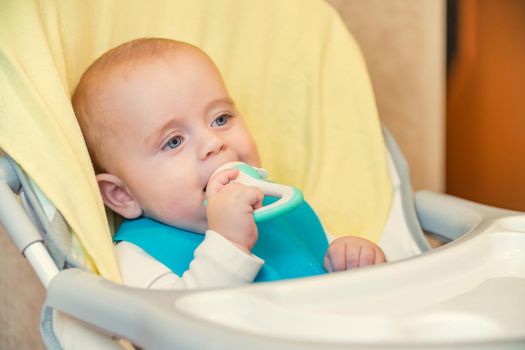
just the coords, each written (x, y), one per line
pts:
(469, 291)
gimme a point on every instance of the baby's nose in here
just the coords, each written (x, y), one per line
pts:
(211, 147)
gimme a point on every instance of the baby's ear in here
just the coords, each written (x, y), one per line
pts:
(117, 196)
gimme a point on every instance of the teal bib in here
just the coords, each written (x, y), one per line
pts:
(292, 245)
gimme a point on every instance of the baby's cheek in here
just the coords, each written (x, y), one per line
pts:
(247, 149)
(250, 156)
(184, 213)
(178, 210)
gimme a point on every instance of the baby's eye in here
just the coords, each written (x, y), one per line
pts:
(221, 120)
(174, 142)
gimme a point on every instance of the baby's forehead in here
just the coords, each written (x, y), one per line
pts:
(111, 82)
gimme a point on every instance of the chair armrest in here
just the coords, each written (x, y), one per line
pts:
(148, 318)
(450, 217)
(140, 316)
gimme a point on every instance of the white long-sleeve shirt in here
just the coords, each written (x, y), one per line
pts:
(217, 263)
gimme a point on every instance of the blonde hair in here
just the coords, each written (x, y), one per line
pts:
(87, 109)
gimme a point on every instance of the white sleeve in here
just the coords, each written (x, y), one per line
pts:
(217, 263)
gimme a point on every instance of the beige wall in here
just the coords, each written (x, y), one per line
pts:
(21, 297)
(403, 44)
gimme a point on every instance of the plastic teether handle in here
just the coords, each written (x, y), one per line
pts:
(289, 197)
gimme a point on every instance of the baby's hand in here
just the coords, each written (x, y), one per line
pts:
(230, 208)
(351, 252)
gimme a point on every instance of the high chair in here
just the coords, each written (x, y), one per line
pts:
(301, 84)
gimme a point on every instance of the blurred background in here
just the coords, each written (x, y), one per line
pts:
(449, 78)
(485, 115)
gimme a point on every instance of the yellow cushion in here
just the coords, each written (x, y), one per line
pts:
(293, 69)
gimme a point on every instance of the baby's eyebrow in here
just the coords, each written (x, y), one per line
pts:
(224, 100)
(154, 137)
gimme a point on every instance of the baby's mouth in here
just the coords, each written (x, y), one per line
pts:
(204, 189)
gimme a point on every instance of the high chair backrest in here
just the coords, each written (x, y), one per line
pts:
(294, 71)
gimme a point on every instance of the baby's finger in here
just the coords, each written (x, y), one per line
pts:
(219, 180)
(253, 196)
(353, 251)
(337, 256)
(380, 256)
(367, 256)
(327, 265)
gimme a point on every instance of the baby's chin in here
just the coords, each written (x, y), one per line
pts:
(201, 228)
(197, 227)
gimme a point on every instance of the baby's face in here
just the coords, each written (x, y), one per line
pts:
(173, 124)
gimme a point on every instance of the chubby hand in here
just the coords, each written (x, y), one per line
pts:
(230, 208)
(350, 252)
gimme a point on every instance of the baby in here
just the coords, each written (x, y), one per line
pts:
(158, 122)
